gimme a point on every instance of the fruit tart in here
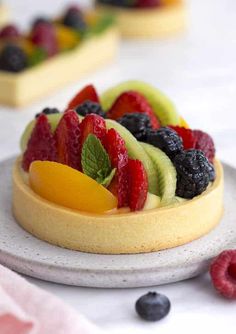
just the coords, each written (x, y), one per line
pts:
(52, 53)
(146, 18)
(117, 173)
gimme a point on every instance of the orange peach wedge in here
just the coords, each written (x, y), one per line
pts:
(70, 188)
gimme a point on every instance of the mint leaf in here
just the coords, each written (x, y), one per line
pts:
(95, 160)
(107, 180)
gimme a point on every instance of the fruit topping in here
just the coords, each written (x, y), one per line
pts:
(44, 36)
(136, 151)
(66, 37)
(205, 143)
(40, 20)
(147, 3)
(152, 202)
(161, 105)
(223, 273)
(70, 188)
(167, 140)
(166, 172)
(48, 111)
(137, 185)
(137, 123)
(41, 145)
(10, 31)
(96, 162)
(87, 93)
(193, 173)
(12, 58)
(196, 139)
(92, 124)
(67, 136)
(152, 306)
(132, 102)
(187, 136)
(74, 18)
(116, 149)
(90, 107)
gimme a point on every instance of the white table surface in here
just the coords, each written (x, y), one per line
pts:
(198, 70)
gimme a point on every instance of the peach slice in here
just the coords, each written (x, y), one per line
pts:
(70, 188)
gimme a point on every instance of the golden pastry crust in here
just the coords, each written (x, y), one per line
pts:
(140, 232)
(149, 23)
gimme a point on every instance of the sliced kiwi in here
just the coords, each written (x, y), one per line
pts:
(152, 202)
(160, 103)
(136, 151)
(166, 173)
(53, 120)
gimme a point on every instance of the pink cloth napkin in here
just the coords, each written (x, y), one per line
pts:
(26, 309)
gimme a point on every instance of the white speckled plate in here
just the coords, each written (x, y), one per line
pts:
(24, 253)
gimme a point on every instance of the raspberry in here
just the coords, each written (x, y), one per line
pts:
(116, 149)
(89, 107)
(13, 59)
(67, 136)
(205, 143)
(137, 123)
(9, 31)
(147, 3)
(87, 93)
(41, 145)
(167, 140)
(44, 36)
(187, 136)
(132, 102)
(223, 273)
(138, 185)
(194, 173)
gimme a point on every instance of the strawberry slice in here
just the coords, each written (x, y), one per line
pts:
(130, 102)
(87, 93)
(67, 136)
(93, 124)
(138, 185)
(116, 149)
(41, 145)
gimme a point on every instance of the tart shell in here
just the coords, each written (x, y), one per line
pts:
(140, 232)
(4, 15)
(148, 23)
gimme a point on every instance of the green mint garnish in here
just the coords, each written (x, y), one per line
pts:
(95, 161)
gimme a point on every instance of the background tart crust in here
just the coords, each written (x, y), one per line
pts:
(140, 232)
(148, 23)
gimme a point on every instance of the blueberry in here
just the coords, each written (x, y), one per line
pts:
(152, 306)
(48, 111)
(13, 59)
(89, 107)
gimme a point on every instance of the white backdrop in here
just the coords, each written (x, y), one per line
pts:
(198, 71)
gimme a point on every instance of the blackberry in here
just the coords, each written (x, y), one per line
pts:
(48, 111)
(74, 19)
(89, 107)
(167, 140)
(194, 172)
(152, 306)
(137, 123)
(13, 59)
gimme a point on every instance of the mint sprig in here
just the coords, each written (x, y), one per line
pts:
(96, 162)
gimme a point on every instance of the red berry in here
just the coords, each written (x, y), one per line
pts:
(9, 31)
(138, 185)
(41, 145)
(187, 136)
(67, 136)
(147, 3)
(44, 36)
(130, 102)
(87, 93)
(93, 124)
(116, 149)
(223, 273)
(205, 143)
